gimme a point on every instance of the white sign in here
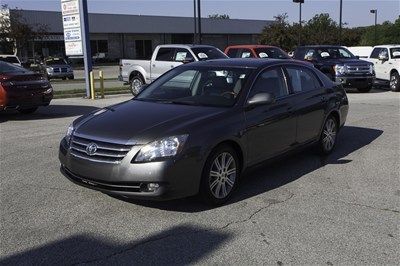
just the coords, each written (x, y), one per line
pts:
(73, 48)
(72, 35)
(69, 7)
(72, 21)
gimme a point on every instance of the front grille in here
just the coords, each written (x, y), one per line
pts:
(64, 69)
(56, 70)
(358, 69)
(106, 152)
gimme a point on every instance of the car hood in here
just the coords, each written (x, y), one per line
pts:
(347, 61)
(138, 122)
(58, 66)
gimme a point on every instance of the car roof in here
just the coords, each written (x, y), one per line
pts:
(251, 46)
(185, 46)
(387, 46)
(7, 55)
(322, 46)
(245, 62)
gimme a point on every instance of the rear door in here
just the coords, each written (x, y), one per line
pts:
(163, 62)
(310, 102)
(270, 129)
(379, 64)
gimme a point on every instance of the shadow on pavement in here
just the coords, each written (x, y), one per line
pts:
(49, 112)
(277, 173)
(179, 245)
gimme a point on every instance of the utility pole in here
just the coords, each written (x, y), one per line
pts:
(87, 54)
(300, 3)
(199, 19)
(194, 22)
(340, 22)
(375, 11)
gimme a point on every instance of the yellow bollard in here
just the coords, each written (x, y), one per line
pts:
(91, 85)
(101, 83)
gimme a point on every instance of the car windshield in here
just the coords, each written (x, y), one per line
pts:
(205, 53)
(271, 53)
(55, 61)
(203, 86)
(9, 59)
(395, 52)
(334, 53)
(10, 68)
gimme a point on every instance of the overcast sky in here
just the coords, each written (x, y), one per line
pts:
(355, 12)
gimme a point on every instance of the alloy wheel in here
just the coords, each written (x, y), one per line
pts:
(136, 85)
(329, 135)
(222, 176)
(393, 82)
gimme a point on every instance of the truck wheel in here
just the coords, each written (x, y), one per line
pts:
(395, 81)
(27, 110)
(136, 84)
(365, 89)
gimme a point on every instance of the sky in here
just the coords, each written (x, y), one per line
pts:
(355, 12)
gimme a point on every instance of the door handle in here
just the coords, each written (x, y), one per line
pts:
(154, 65)
(172, 66)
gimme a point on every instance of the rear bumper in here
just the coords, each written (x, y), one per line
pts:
(356, 82)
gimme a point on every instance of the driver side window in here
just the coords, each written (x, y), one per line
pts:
(270, 81)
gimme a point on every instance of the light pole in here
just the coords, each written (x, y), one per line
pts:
(340, 22)
(199, 19)
(375, 11)
(195, 22)
(300, 2)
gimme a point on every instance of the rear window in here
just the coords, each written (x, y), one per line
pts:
(165, 54)
(395, 52)
(275, 53)
(10, 68)
(10, 59)
(205, 53)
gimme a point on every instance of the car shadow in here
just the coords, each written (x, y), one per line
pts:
(180, 245)
(274, 174)
(374, 90)
(49, 112)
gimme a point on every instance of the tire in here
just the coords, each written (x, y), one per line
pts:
(64, 78)
(71, 77)
(365, 89)
(28, 110)
(327, 140)
(135, 84)
(394, 81)
(220, 176)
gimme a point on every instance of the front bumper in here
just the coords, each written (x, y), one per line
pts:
(356, 81)
(177, 178)
(24, 102)
(60, 74)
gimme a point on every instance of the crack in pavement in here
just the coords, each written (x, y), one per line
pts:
(135, 246)
(367, 206)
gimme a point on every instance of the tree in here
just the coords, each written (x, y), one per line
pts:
(15, 32)
(279, 33)
(387, 33)
(218, 16)
(321, 29)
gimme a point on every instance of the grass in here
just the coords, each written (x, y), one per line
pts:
(77, 93)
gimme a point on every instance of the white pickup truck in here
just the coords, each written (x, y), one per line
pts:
(386, 59)
(164, 58)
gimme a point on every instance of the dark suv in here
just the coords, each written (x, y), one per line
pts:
(340, 65)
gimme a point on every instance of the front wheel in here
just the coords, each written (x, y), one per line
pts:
(328, 137)
(220, 175)
(395, 82)
(27, 110)
(136, 84)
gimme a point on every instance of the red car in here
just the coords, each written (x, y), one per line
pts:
(256, 51)
(23, 90)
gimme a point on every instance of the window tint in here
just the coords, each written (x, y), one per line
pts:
(182, 54)
(271, 53)
(302, 79)
(375, 53)
(270, 81)
(10, 68)
(395, 52)
(165, 54)
(204, 53)
(246, 53)
(10, 59)
(232, 52)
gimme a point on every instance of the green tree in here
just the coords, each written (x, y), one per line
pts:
(321, 29)
(279, 33)
(219, 16)
(386, 33)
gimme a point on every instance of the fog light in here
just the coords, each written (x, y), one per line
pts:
(152, 186)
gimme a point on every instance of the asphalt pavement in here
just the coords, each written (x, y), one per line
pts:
(304, 209)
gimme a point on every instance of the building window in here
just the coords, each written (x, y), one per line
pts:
(99, 46)
(144, 49)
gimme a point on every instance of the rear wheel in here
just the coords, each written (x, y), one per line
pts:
(136, 84)
(365, 89)
(27, 110)
(328, 137)
(220, 175)
(395, 81)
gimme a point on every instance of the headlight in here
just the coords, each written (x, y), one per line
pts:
(69, 133)
(371, 69)
(49, 69)
(340, 69)
(49, 90)
(162, 148)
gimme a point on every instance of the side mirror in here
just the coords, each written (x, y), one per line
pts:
(383, 57)
(357, 57)
(262, 98)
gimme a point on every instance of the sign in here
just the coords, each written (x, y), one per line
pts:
(72, 21)
(69, 7)
(74, 48)
(72, 27)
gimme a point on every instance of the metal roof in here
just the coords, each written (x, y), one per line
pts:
(116, 23)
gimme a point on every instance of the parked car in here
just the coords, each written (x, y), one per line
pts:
(22, 89)
(340, 65)
(164, 58)
(255, 51)
(13, 59)
(386, 59)
(199, 126)
(360, 51)
(57, 68)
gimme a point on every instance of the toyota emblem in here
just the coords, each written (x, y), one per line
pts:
(91, 149)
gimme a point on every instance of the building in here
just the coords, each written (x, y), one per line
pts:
(135, 36)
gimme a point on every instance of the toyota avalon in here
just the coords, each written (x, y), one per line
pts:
(199, 126)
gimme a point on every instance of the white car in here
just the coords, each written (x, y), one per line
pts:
(386, 59)
(361, 51)
(13, 59)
